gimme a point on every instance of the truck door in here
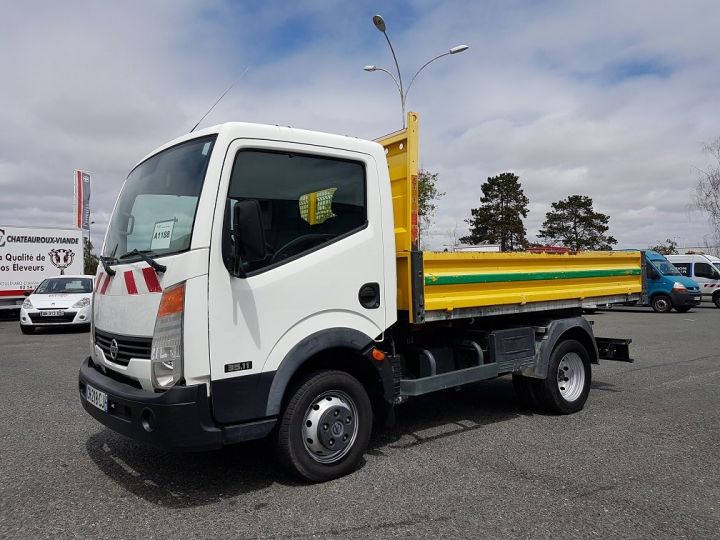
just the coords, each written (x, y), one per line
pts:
(707, 277)
(320, 212)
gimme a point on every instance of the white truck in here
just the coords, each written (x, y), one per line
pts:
(262, 280)
(704, 269)
(28, 255)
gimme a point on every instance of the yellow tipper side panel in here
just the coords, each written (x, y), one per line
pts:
(455, 281)
(401, 150)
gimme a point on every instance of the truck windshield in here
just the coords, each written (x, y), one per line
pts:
(155, 212)
(666, 268)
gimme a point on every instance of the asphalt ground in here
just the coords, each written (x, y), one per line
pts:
(641, 460)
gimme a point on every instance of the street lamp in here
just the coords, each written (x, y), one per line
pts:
(379, 23)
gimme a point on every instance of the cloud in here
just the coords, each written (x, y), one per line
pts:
(611, 100)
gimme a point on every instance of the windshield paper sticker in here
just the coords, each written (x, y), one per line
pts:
(162, 235)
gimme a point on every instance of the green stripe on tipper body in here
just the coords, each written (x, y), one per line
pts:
(464, 279)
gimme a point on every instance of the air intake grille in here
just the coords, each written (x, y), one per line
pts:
(128, 346)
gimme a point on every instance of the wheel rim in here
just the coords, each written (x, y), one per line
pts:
(661, 304)
(330, 426)
(571, 376)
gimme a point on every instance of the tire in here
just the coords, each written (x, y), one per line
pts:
(325, 426)
(716, 300)
(525, 390)
(682, 309)
(661, 303)
(566, 388)
(27, 329)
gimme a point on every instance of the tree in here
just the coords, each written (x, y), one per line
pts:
(575, 224)
(668, 248)
(90, 261)
(428, 195)
(499, 219)
(707, 190)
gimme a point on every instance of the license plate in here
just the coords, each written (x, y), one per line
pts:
(52, 313)
(96, 398)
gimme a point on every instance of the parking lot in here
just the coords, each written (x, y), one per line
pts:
(641, 460)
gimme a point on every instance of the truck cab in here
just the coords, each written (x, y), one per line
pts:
(233, 254)
(666, 287)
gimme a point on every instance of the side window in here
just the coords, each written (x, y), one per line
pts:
(683, 268)
(306, 201)
(704, 270)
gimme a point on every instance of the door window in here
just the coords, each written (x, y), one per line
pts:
(306, 201)
(704, 270)
(683, 268)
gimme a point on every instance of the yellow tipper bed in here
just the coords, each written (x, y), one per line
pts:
(435, 286)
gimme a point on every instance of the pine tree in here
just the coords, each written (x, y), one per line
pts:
(574, 224)
(499, 219)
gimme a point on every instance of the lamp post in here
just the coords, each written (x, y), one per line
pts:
(379, 23)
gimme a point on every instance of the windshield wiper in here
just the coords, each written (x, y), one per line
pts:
(152, 262)
(106, 262)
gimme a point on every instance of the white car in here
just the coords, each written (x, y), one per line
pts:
(58, 301)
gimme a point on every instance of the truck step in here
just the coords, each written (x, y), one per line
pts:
(443, 381)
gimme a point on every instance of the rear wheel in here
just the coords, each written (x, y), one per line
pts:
(27, 329)
(566, 388)
(716, 299)
(325, 427)
(661, 303)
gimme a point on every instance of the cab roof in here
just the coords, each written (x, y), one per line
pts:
(246, 130)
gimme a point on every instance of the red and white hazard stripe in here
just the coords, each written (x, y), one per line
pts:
(147, 277)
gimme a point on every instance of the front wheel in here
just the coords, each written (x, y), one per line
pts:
(566, 388)
(716, 300)
(325, 427)
(661, 303)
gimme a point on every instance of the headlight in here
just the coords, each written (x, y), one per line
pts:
(27, 304)
(83, 302)
(167, 344)
(679, 287)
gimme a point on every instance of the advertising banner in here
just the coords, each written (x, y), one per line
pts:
(82, 200)
(29, 255)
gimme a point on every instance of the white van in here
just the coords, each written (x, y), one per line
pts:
(704, 269)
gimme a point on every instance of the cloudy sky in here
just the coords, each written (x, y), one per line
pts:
(609, 99)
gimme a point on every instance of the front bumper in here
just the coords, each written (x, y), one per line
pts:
(177, 419)
(69, 317)
(686, 299)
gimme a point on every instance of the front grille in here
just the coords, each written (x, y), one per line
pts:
(128, 346)
(66, 317)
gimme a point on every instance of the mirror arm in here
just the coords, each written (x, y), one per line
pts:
(238, 269)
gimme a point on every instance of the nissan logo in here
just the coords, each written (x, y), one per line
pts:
(113, 350)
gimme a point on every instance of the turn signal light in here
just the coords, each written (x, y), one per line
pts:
(172, 301)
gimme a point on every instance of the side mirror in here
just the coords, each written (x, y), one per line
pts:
(27, 293)
(248, 235)
(652, 273)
